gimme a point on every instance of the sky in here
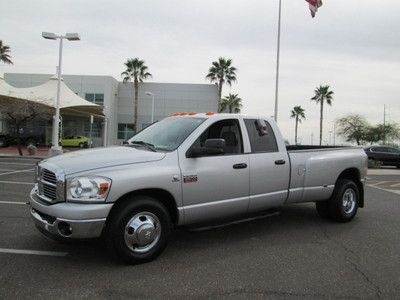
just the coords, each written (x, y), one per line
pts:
(353, 46)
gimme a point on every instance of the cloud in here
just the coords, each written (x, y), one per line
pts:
(351, 46)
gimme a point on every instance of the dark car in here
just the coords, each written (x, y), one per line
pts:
(389, 156)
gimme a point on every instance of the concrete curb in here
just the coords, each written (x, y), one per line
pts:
(22, 157)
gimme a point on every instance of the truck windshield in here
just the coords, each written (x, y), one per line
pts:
(168, 134)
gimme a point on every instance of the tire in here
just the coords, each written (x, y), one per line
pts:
(343, 205)
(81, 145)
(3, 142)
(138, 230)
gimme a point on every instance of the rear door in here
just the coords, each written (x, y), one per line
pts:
(269, 167)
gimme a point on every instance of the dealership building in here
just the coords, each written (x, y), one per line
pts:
(117, 99)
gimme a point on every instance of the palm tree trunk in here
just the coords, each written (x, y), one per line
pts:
(320, 122)
(219, 95)
(295, 131)
(136, 104)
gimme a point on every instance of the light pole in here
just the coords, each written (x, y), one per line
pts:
(152, 105)
(55, 148)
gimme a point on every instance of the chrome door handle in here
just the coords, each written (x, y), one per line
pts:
(240, 166)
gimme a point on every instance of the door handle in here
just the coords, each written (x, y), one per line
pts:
(280, 162)
(240, 166)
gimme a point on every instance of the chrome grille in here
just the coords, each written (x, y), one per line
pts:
(50, 185)
(49, 176)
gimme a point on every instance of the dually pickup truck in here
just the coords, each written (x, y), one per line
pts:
(190, 169)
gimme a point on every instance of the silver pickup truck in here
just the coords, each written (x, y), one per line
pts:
(190, 169)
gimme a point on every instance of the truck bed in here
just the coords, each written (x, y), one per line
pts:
(292, 148)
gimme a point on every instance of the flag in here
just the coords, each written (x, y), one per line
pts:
(314, 5)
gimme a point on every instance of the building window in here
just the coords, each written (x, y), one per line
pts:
(125, 131)
(95, 98)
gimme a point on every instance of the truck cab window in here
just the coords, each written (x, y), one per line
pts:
(229, 130)
(261, 135)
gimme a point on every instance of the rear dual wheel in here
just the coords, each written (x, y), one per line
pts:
(343, 205)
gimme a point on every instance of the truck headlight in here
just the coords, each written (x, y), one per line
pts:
(88, 188)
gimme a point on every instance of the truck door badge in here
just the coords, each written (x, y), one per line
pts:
(189, 178)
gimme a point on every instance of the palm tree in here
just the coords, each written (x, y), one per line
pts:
(5, 53)
(221, 72)
(232, 103)
(136, 70)
(299, 115)
(322, 95)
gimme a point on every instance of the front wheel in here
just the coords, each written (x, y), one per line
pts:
(138, 230)
(343, 205)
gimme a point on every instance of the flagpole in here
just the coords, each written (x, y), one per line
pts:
(277, 62)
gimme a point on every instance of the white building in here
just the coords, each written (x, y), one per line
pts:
(118, 98)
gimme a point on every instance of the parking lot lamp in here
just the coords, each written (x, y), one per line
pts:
(56, 148)
(152, 105)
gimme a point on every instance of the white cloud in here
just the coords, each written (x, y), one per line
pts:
(351, 46)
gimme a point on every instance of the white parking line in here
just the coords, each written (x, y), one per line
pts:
(33, 252)
(17, 182)
(20, 171)
(13, 202)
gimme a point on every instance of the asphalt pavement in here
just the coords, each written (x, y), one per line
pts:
(293, 255)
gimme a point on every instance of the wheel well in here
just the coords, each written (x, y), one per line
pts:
(353, 174)
(161, 195)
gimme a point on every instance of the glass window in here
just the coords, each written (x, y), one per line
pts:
(229, 130)
(169, 133)
(261, 135)
(125, 131)
(95, 98)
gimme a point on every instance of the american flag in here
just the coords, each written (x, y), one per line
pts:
(314, 5)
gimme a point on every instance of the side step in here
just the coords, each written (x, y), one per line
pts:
(269, 213)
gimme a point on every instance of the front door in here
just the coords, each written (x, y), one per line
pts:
(216, 187)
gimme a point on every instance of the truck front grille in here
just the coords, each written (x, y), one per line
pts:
(50, 188)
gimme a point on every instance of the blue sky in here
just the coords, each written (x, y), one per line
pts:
(351, 46)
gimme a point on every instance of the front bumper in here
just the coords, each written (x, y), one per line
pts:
(69, 220)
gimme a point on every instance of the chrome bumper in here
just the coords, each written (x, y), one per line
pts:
(69, 220)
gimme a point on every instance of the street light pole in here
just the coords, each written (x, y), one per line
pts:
(56, 148)
(278, 48)
(152, 105)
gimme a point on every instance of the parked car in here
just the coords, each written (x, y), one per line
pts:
(388, 156)
(190, 170)
(75, 141)
(4, 140)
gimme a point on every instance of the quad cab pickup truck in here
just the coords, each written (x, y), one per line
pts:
(190, 169)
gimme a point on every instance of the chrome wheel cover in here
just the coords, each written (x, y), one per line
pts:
(349, 201)
(142, 232)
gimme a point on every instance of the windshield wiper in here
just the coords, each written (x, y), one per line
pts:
(149, 146)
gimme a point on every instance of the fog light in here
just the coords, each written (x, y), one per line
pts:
(64, 228)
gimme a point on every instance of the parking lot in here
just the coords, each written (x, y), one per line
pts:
(291, 255)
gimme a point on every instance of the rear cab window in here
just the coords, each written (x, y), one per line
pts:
(261, 136)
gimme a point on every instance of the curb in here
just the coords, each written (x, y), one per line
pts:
(17, 156)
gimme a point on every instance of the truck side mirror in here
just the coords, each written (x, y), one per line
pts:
(211, 147)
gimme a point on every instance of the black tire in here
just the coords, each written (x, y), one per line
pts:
(343, 205)
(3, 142)
(81, 145)
(117, 229)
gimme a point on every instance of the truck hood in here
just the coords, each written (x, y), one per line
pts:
(91, 159)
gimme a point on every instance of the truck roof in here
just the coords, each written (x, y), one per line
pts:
(213, 115)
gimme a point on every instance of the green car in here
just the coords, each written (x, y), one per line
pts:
(75, 141)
